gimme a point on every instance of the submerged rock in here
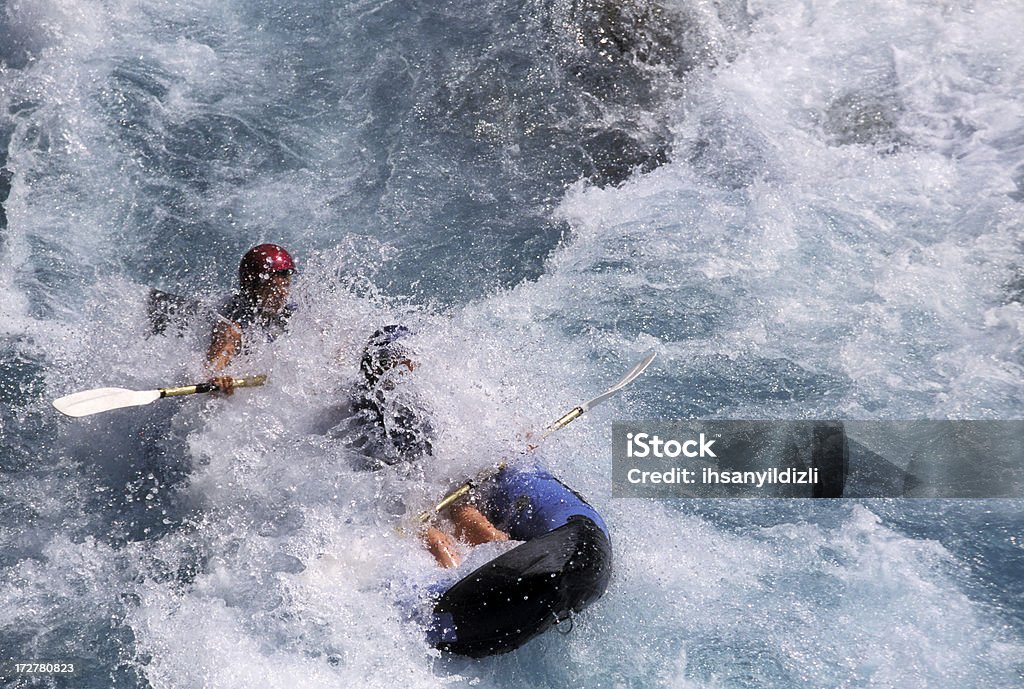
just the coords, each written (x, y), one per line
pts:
(866, 118)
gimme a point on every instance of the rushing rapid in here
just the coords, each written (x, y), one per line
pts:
(809, 210)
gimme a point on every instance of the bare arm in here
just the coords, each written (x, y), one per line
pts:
(225, 343)
(473, 527)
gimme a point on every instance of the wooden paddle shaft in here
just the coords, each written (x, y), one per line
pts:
(247, 382)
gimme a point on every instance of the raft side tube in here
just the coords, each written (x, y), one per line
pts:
(522, 593)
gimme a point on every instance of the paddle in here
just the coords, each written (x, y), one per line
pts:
(561, 422)
(98, 400)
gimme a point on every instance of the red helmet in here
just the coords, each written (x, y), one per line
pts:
(260, 262)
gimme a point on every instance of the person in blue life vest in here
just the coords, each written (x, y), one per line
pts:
(258, 309)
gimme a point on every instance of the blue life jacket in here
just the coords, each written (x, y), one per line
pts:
(527, 501)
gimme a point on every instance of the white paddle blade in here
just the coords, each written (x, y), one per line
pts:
(632, 375)
(637, 369)
(103, 399)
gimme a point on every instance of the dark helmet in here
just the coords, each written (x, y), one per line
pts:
(383, 352)
(262, 261)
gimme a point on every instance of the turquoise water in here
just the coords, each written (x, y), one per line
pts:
(808, 210)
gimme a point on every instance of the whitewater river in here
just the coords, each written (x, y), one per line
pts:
(807, 209)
